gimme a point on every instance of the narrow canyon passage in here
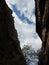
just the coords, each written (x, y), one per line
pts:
(25, 24)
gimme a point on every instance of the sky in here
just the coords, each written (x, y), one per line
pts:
(25, 22)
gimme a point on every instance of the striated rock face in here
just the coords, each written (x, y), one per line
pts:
(42, 28)
(10, 51)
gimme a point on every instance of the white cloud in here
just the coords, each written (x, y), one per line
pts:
(26, 34)
(26, 7)
(25, 31)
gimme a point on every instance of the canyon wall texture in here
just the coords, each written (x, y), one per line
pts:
(10, 51)
(42, 28)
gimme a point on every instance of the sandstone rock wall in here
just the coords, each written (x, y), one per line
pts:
(42, 28)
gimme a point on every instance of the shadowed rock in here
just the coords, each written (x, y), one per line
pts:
(42, 28)
(10, 51)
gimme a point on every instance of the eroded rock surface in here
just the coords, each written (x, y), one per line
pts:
(42, 28)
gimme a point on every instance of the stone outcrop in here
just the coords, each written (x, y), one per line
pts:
(42, 28)
(10, 51)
